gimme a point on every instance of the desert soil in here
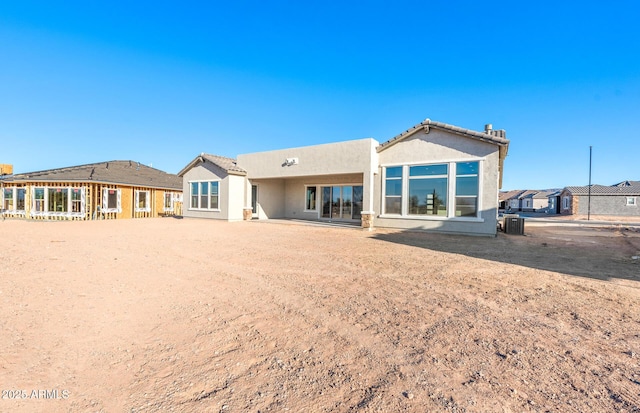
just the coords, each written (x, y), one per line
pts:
(190, 315)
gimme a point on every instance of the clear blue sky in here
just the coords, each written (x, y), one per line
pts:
(159, 82)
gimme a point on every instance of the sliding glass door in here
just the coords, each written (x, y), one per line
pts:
(341, 201)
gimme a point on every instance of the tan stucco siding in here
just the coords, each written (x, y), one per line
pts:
(333, 158)
(443, 147)
(206, 172)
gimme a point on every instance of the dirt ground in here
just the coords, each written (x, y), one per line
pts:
(202, 316)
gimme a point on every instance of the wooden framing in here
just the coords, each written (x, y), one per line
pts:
(90, 201)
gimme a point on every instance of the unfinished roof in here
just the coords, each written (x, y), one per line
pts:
(229, 165)
(598, 190)
(114, 172)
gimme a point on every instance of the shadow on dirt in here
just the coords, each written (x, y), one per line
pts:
(600, 253)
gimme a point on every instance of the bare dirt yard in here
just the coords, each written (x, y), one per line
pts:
(202, 316)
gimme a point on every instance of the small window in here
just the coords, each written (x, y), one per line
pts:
(8, 204)
(565, 202)
(38, 200)
(311, 198)
(20, 201)
(631, 201)
(142, 201)
(168, 201)
(111, 200)
(76, 200)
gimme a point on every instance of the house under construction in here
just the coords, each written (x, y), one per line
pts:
(105, 190)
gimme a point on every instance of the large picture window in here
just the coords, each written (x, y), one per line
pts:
(446, 190)
(428, 190)
(205, 195)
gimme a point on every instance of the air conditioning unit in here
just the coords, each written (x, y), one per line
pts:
(513, 224)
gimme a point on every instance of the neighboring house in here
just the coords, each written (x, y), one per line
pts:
(105, 190)
(554, 201)
(509, 200)
(617, 200)
(526, 200)
(433, 176)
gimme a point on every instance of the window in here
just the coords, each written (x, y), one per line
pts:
(20, 200)
(76, 200)
(142, 201)
(428, 190)
(565, 202)
(444, 190)
(58, 199)
(38, 200)
(8, 204)
(168, 201)
(631, 201)
(111, 200)
(310, 204)
(213, 204)
(205, 195)
(467, 187)
(393, 190)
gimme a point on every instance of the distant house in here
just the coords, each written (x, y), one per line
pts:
(526, 200)
(553, 201)
(109, 190)
(509, 200)
(616, 200)
(433, 176)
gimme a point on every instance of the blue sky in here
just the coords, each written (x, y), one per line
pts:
(159, 82)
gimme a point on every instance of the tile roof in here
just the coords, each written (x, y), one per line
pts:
(604, 190)
(506, 195)
(114, 172)
(528, 194)
(497, 137)
(229, 165)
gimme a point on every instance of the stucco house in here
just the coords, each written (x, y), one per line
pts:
(105, 190)
(510, 200)
(433, 176)
(616, 200)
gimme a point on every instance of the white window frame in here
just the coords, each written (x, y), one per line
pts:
(632, 201)
(209, 194)
(13, 199)
(105, 200)
(451, 192)
(566, 204)
(147, 201)
(172, 197)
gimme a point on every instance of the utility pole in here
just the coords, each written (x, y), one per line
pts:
(589, 197)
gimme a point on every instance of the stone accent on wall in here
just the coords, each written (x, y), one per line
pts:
(367, 220)
(247, 214)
